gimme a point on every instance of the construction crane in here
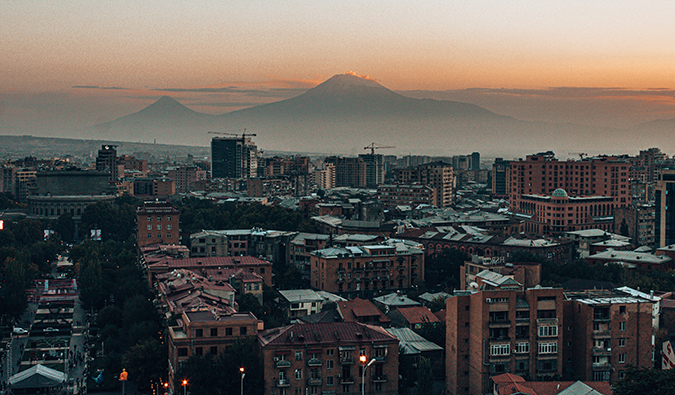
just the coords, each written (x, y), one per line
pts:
(581, 154)
(372, 147)
(243, 134)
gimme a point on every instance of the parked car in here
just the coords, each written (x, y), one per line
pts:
(50, 329)
(20, 331)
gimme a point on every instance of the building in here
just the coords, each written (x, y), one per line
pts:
(301, 302)
(404, 194)
(349, 172)
(528, 274)
(605, 331)
(185, 177)
(435, 174)
(540, 175)
(638, 221)
(511, 384)
(355, 271)
(208, 243)
(233, 157)
(206, 332)
(411, 317)
(501, 171)
(325, 178)
(106, 162)
(300, 248)
(664, 225)
(363, 311)
(498, 331)
(158, 223)
(8, 179)
(631, 259)
(324, 358)
(374, 169)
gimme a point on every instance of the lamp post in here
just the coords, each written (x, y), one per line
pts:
(363, 360)
(241, 369)
(185, 383)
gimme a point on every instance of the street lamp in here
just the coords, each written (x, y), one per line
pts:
(363, 360)
(241, 369)
(185, 383)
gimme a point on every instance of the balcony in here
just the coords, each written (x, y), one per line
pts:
(283, 383)
(380, 359)
(601, 365)
(314, 381)
(283, 364)
(400, 267)
(601, 318)
(380, 379)
(347, 380)
(547, 321)
(314, 362)
(602, 334)
(340, 280)
(340, 270)
(600, 351)
(346, 360)
(498, 323)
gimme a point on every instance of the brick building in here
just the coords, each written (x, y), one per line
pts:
(435, 174)
(405, 194)
(526, 273)
(323, 358)
(604, 332)
(355, 271)
(158, 223)
(206, 332)
(499, 331)
(349, 172)
(185, 177)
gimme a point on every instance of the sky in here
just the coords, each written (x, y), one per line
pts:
(69, 64)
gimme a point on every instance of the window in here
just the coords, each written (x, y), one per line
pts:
(168, 219)
(159, 227)
(228, 331)
(522, 348)
(182, 351)
(214, 332)
(149, 219)
(622, 309)
(168, 227)
(199, 351)
(622, 358)
(199, 332)
(329, 380)
(622, 374)
(242, 330)
(298, 374)
(159, 219)
(622, 326)
(149, 235)
(298, 355)
(329, 364)
(548, 331)
(330, 352)
(548, 348)
(149, 227)
(622, 342)
(500, 349)
(214, 350)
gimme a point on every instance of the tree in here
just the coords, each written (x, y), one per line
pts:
(17, 280)
(90, 279)
(442, 271)
(646, 382)
(425, 377)
(146, 362)
(623, 229)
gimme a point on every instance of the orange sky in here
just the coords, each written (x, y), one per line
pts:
(282, 47)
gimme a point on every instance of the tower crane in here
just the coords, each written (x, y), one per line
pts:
(243, 134)
(372, 147)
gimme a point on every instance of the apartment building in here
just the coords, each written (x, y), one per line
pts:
(325, 358)
(356, 271)
(405, 194)
(436, 174)
(505, 329)
(157, 224)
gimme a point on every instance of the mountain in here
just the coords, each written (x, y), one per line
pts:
(345, 113)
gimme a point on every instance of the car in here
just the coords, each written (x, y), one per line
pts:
(20, 331)
(50, 329)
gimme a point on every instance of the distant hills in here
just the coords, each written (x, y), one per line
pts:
(346, 112)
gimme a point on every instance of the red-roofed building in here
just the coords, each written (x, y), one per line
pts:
(323, 358)
(363, 311)
(259, 266)
(508, 384)
(411, 317)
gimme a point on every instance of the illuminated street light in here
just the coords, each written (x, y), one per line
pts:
(363, 360)
(185, 383)
(241, 369)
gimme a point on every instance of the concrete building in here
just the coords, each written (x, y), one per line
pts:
(106, 162)
(301, 302)
(158, 223)
(233, 157)
(374, 169)
(528, 274)
(325, 178)
(349, 172)
(358, 271)
(403, 194)
(324, 358)
(185, 177)
(664, 226)
(436, 174)
(208, 243)
(604, 332)
(500, 331)
(501, 171)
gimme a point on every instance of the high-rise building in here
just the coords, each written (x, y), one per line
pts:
(501, 171)
(475, 161)
(233, 157)
(374, 169)
(185, 177)
(325, 178)
(436, 174)
(106, 161)
(664, 226)
(349, 172)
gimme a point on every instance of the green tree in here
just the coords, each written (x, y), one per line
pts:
(442, 271)
(17, 280)
(646, 382)
(90, 279)
(65, 227)
(623, 228)
(425, 377)
(146, 362)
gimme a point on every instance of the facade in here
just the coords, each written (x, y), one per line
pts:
(254, 265)
(301, 302)
(436, 174)
(500, 331)
(106, 161)
(208, 243)
(605, 331)
(233, 157)
(403, 194)
(664, 226)
(355, 271)
(8, 179)
(185, 177)
(349, 172)
(324, 358)
(158, 223)
(501, 171)
(206, 332)
(542, 174)
(528, 274)
(325, 178)
(374, 169)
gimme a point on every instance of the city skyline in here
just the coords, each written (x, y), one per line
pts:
(76, 65)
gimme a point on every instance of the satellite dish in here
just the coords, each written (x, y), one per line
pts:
(473, 285)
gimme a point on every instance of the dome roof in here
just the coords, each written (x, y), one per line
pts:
(559, 193)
